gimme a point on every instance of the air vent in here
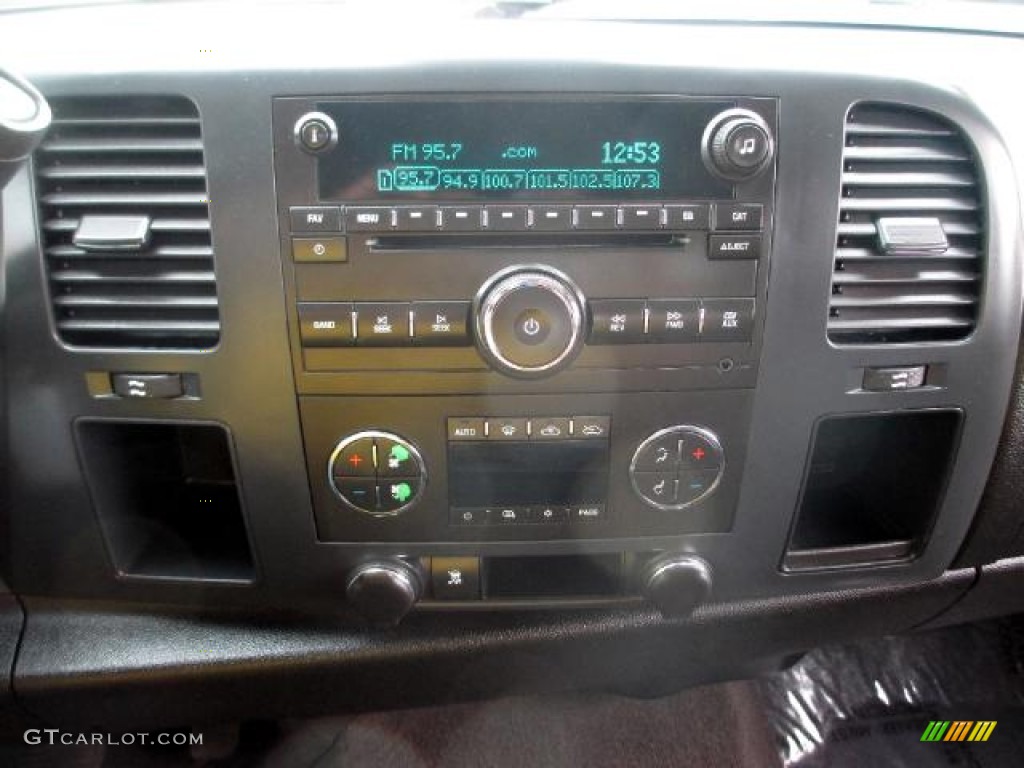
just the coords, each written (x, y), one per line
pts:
(121, 184)
(910, 241)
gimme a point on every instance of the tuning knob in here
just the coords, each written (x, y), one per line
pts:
(737, 145)
(530, 321)
(384, 591)
(676, 584)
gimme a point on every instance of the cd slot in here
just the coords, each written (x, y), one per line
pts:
(444, 242)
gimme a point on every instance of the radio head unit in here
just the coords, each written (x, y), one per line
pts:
(544, 312)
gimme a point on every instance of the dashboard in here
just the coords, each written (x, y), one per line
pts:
(326, 350)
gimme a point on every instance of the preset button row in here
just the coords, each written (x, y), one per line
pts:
(523, 218)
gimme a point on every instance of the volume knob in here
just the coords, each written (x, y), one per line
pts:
(737, 145)
(529, 321)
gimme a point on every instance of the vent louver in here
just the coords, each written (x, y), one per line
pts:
(906, 168)
(121, 185)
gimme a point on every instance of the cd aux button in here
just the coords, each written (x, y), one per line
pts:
(728, 319)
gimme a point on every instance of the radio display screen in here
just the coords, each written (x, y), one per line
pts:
(564, 149)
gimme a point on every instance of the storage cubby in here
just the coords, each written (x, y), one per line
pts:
(167, 499)
(872, 487)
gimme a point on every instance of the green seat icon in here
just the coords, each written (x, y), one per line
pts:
(401, 492)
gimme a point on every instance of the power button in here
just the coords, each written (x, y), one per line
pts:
(533, 327)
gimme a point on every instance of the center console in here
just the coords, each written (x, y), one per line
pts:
(524, 319)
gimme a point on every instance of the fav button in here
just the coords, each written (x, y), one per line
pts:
(315, 218)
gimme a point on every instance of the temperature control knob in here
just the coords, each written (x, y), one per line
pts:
(384, 591)
(676, 584)
(378, 473)
(677, 467)
(529, 321)
(737, 145)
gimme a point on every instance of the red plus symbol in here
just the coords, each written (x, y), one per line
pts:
(698, 454)
(355, 460)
